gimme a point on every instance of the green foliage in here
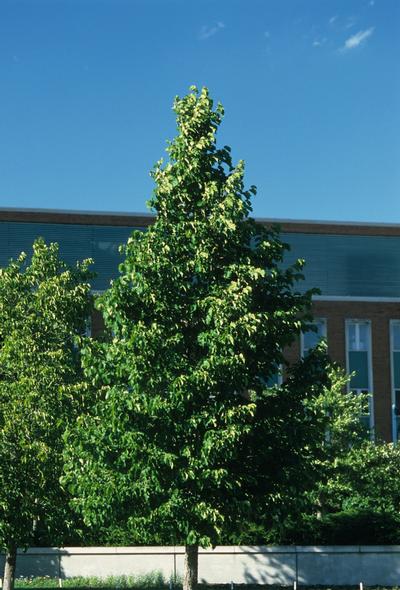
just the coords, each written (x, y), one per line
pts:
(356, 493)
(325, 424)
(362, 527)
(149, 581)
(185, 441)
(361, 496)
(344, 431)
(43, 308)
(348, 527)
(366, 479)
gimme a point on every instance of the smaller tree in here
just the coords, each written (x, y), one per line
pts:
(368, 477)
(44, 307)
(355, 496)
(361, 494)
(344, 431)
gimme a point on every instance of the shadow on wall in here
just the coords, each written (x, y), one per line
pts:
(276, 566)
(248, 565)
(37, 562)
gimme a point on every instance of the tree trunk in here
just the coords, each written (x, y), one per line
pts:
(191, 567)
(9, 568)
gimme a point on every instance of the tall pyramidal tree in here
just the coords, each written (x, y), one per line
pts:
(186, 442)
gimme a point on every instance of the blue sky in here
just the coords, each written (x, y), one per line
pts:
(311, 91)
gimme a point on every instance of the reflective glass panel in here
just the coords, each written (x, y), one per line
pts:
(358, 336)
(358, 363)
(312, 338)
(396, 336)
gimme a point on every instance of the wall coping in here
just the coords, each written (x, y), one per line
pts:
(220, 549)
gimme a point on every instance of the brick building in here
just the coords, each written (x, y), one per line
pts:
(355, 265)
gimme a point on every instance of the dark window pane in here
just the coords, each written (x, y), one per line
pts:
(396, 369)
(396, 336)
(358, 362)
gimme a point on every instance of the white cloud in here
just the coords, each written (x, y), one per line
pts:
(371, 2)
(357, 39)
(208, 31)
(332, 19)
(319, 42)
(267, 34)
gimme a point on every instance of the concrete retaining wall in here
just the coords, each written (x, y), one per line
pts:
(372, 565)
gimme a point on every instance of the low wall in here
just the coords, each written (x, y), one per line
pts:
(336, 565)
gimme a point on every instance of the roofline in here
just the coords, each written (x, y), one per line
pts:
(144, 219)
(65, 216)
(326, 222)
(74, 212)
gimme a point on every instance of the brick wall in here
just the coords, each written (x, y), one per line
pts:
(379, 314)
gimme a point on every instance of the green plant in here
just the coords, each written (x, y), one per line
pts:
(150, 581)
(186, 441)
(43, 310)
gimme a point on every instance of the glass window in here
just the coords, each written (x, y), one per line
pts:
(397, 401)
(395, 366)
(358, 353)
(275, 379)
(358, 362)
(358, 336)
(313, 337)
(396, 335)
(396, 415)
(366, 412)
(88, 328)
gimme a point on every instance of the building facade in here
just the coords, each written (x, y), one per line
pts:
(356, 267)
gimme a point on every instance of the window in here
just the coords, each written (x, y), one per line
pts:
(395, 370)
(275, 379)
(310, 339)
(88, 327)
(358, 352)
